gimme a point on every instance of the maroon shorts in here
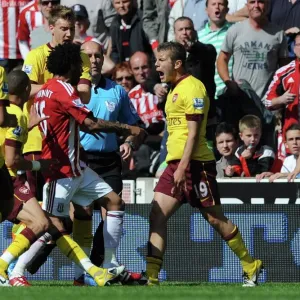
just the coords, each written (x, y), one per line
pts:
(35, 178)
(22, 194)
(7, 193)
(201, 185)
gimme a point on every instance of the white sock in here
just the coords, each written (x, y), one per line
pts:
(78, 270)
(112, 232)
(26, 257)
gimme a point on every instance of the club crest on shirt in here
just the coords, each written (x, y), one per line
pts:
(17, 131)
(27, 69)
(24, 190)
(175, 96)
(111, 106)
(198, 103)
(5, 88)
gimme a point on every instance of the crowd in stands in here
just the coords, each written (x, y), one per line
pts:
(246, 53)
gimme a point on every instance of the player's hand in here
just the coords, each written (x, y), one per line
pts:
(126, 151)
(139, 133)
(10, 121)
(247, 153)
(275, 176)
(48, 164)
(263, 175)
(160, 91)
(229, 171)
(34, 118)
(179, 182)
(287, 98)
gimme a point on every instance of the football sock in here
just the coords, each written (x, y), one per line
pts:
(97, 253)
(20, 244)
(72, 250)
(235, 242)
(112, 234)
(153, 267)
(82, 235)
(26, 257)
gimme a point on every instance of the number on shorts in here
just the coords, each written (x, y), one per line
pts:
(39, 107)
(202, 191)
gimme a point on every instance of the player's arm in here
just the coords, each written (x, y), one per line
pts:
(84, 85)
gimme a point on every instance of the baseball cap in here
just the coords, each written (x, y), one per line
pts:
(80, 11)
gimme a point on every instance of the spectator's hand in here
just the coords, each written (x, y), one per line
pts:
(160, 91)
(293, 30)
(287, 98)
(34, 118)
(291, 176)
(233, 87)
(229, 171)
(179, 182)
(48, 164)
(247, 153)
(126, 151)
(263, 175)
(275, 176)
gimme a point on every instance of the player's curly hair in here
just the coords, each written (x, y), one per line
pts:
(62, 58)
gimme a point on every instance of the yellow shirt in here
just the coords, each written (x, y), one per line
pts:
(35, 67)
(14, 136)
(186, 101)
(3, 98)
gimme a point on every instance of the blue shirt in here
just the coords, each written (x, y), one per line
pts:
(109, 102)
(195, 9)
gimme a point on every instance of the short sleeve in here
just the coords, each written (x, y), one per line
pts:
(86, 73)
(69, 99)
(3, 88)
(228, 43)
(23, 29)
(31, 66)
(196, 102)
(128, 114)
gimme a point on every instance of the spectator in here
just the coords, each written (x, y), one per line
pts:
(227, 141)
(214, 33)
(10, 56)
(257, 47)
(123, 76)
(251, 158)
(283, 92)
(155, 20)
(127, 32)
(194, 9)
(33, 17)
(292, 142)
(237, 11)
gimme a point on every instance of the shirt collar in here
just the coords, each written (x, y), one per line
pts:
(101, 84)
(224, 27)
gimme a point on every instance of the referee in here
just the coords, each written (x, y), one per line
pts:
(109, 102)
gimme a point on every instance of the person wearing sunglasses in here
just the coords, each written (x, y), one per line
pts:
(33, 28)
(123, 76)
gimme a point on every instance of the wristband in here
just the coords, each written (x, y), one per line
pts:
(130, 143)
(36, 165)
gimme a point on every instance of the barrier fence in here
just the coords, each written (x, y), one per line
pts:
(267, 216)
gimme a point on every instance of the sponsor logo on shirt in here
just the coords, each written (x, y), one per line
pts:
(5, 88)
(174, 97)
(78, 103)
(174, 121)
(27, 69)
(17, 131)
(111, 106)
(290, 80)
(198, 103)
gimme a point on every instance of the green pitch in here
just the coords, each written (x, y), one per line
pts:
(56, 290)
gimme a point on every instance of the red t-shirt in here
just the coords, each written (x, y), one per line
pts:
(61, 102)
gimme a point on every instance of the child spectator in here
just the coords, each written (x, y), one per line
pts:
(227, 143)
(251, 158)
(292, 143)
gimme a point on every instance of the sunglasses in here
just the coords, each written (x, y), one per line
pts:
(119, 79)
(54, 2)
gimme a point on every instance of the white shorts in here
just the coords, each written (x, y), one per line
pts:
(82, 190)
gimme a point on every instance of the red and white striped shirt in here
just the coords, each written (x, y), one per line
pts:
(9, 15)
(29, 19)
(61, 102)
(146, 105)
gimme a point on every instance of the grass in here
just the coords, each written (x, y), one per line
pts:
(44, 290)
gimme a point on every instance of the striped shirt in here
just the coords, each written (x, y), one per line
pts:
(9, 15)
(29, 19)
(216, 38)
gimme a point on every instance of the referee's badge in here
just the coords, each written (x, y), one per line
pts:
(175, 97)
(111, 106)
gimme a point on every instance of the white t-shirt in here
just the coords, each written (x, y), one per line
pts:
(289, 164)
(235, 5)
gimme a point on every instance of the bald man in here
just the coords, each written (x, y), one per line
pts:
(144, 102)
(109, 102)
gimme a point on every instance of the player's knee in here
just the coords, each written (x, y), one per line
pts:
(115, 202)
(157, 216)
(40, 226)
